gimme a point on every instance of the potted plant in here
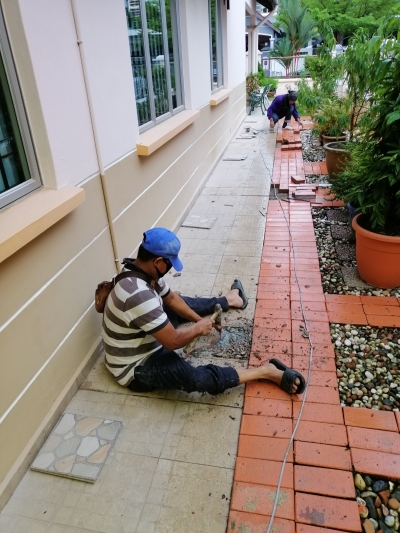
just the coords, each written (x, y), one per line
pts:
(332, 119)
(372, 176)
(252, 83)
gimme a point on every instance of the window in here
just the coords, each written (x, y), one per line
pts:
(217, 80)
(155, 57)
(19, 174)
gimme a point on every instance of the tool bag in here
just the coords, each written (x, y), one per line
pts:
(105, 287)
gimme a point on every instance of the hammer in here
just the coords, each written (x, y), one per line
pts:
(216, 316)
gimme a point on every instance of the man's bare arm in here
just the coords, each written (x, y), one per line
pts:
(172, 338)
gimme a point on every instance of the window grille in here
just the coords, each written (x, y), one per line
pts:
(217, 80)
(153, 33)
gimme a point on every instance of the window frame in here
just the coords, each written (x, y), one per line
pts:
(34, 182)
(176, 36)
(219, 46)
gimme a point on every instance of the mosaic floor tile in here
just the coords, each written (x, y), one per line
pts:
(77, 447)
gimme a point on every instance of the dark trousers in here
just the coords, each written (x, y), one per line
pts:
(165, 369)
(288, 115)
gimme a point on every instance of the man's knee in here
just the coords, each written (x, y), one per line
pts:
(275, 118)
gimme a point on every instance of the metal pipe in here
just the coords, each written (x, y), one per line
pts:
(94, 124)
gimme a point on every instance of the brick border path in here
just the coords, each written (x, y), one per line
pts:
(317, 490)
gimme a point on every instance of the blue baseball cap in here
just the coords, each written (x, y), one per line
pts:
(163, 243)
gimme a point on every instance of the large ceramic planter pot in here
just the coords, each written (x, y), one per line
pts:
(328, 139)
(378, 256)
(336, 158)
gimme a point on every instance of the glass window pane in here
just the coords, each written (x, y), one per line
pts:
(173, 49)
(215, 44)
(138, 62)
(13, 164)
(157, 56)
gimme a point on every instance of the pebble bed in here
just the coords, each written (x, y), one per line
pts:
(378, 501)
(367, 366)
(336, 251)
(311, 147)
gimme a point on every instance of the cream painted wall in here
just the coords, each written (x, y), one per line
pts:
(235, 53)
(51, 38)
(48, 326)
(105, 45)
(195, 36)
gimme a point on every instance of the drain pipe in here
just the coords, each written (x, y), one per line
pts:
(94, 125)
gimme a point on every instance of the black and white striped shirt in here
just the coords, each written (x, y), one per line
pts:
(133, 311)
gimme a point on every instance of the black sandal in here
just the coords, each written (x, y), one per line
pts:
(238, 285)
(289, 377)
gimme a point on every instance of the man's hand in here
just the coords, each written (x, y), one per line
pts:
(299, 122)
(271, 123)
(205, 326)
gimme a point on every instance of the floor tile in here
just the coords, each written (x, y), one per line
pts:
(324, 481)
(323, 455)
(328, 512)
(250, 522)
(260, 498)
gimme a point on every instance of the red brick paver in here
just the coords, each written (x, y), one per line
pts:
(317, 492)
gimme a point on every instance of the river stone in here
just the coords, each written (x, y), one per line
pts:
(109, 432)
(368, 494)
(359, 482)
(396, 495)
(368, 526)
(66, 423)
(374, 523)
(363, 511)
(389, 520)
(384, 527)
(369, 502)
(380, 485)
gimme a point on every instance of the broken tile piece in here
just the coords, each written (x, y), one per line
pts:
(43, 460)
(87, 425)
(66, 423)
(109, 432)
(100, 455)
(88, 446)
(64, 465)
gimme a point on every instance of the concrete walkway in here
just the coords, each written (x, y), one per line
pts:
(171, 469)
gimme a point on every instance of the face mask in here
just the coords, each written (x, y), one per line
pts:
(169, 266)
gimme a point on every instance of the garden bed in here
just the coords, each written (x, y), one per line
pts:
(337, 255)
(368, 366)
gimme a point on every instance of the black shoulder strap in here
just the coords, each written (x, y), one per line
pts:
(131, 274)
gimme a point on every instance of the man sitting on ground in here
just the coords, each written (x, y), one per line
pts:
(283, 106)
(140, 328)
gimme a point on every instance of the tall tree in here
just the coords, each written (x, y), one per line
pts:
(297, 24)
(347, 16)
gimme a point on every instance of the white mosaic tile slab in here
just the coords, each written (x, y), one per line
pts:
(77, 447)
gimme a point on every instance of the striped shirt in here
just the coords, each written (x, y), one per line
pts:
(133, 311)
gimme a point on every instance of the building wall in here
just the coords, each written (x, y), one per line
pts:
(49, 330)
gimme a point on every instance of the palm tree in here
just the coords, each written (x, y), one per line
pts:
(297, 24)
(283, 50)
